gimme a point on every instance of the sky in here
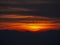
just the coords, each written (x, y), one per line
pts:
(28, 23)
(14, 14)
(30, 7)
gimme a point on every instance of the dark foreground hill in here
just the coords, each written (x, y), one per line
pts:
(29, 38)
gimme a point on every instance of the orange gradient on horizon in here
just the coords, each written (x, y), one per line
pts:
(28, 23)
(32, 27)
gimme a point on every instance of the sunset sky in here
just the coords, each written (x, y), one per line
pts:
(29, 15)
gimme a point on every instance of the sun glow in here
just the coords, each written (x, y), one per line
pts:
(28, 23)
(29, 27)
(37, 27)
(33, 28)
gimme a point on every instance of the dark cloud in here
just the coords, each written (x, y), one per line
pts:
(26, 7)
(50, 10)
(27, 1)
(27, 19)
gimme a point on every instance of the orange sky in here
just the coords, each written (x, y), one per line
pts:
(37, 23)
(29, 26)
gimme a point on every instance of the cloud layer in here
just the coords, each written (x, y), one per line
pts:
(28, 15)
(28, 23)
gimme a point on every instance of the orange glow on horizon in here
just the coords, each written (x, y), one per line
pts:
(28, 23)
(32, 27)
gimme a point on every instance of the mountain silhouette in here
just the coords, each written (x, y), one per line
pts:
(29, 38)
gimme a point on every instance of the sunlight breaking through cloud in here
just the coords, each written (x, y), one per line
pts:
(28, 23)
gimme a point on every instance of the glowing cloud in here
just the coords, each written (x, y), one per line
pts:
(29, 27)
(29, 23)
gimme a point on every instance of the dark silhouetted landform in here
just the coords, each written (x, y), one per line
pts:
(29, 38)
